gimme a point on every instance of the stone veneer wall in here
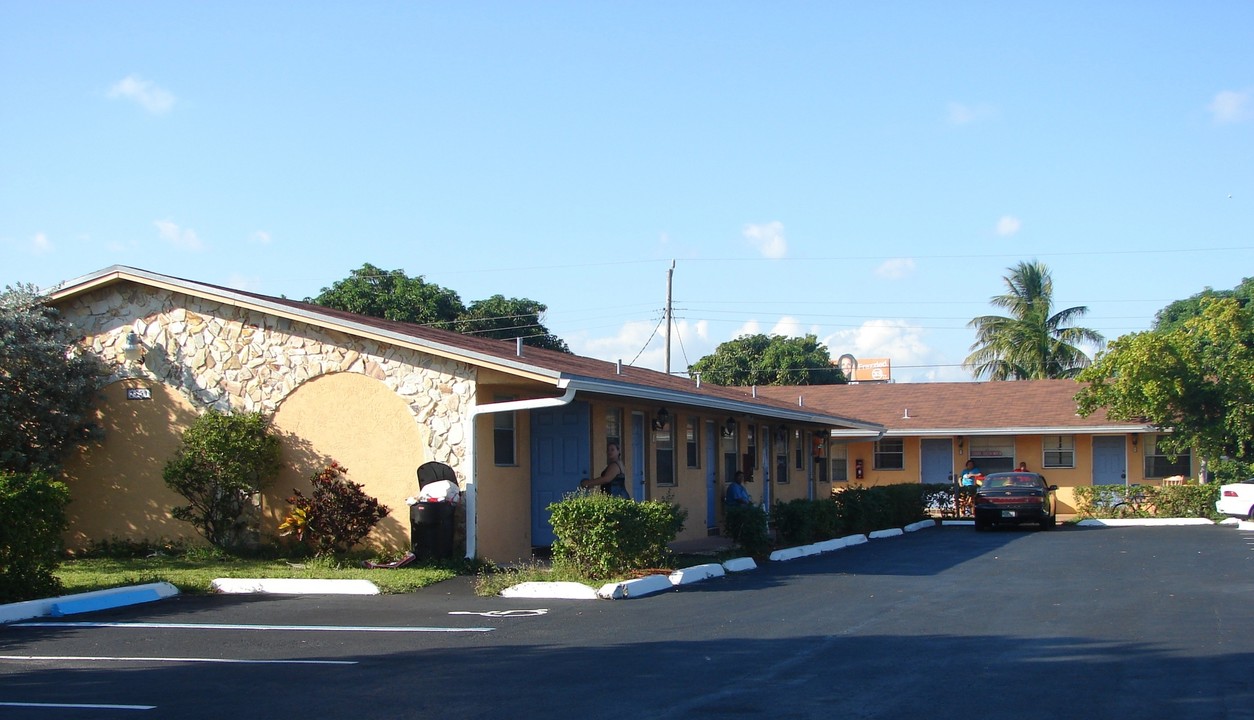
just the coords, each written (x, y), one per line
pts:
(234, 359)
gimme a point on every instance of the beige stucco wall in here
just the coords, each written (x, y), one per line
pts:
(365, 427)
(378, 409)
(503, 496)
(115, 483)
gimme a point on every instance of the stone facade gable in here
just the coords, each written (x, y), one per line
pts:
(229, 358)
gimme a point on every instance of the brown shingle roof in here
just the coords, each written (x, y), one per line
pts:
(975, 407)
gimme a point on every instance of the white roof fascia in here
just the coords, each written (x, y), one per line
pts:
(1039, 430)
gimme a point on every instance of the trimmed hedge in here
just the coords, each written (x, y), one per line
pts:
(33, 507)
(1179, 501)
(602, 536)
(852, 510)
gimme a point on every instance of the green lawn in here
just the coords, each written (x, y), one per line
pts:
(193, 575)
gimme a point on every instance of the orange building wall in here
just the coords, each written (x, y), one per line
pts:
(115, 483)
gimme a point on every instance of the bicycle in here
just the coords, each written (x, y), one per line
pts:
(1135, 504)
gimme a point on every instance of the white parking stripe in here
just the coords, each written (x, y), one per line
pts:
(90, 658)
(77, 706)
(216, 626)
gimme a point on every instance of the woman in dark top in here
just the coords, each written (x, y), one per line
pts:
(613, 479)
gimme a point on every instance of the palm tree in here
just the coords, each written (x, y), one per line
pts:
(1031, 344)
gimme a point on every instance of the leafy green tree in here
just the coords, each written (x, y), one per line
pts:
(225, 460)
(1196, 378)
(47, 386)
(506, 318)
(1174, 315)
(1033, 342)
(393, 295)
(769, 360)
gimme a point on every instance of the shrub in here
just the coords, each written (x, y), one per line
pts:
(746, 526)
(225, 461)
(336, 516)
(33, 505)
(1103, 501)
(801, 522)
(602, 536)
(863, 509)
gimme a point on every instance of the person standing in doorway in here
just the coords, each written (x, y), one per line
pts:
(613, 479)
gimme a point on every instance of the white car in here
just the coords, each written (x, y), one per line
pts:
(1237, 499)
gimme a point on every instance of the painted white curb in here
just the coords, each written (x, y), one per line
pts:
(293, 586)
(635, 588)
(740, 564)
(793, 553)
(695, 574)
(920, 525)
(891, 532)
(1245, 525)
(559, 590)
(86, 602)
(854, 540)
(1143, 522)
(831, 545)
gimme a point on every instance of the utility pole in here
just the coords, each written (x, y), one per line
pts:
(667, 314)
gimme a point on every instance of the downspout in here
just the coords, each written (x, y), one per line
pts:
(472, 483)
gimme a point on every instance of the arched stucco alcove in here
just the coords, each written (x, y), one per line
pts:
(115, 483)
(366, 427)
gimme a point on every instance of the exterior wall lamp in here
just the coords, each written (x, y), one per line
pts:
(132, 348)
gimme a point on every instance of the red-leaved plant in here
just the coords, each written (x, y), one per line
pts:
(337, 514)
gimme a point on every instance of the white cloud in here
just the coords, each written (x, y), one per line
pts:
(151, 97)
(40, 244)
(184, 239)
(1232, 106)
(768, 239)
(963, 114)
(895, 268)
(1008, 225)
(913, 360)
(261, 237)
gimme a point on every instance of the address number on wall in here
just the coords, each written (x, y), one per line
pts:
(138, 394)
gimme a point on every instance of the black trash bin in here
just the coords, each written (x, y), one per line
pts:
(431, 529)
(431, 522)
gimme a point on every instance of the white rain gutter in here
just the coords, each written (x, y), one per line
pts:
(472, 524)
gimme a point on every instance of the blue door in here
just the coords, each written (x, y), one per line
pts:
(637, 457)
(936, 461)
(711, 477)
(1109, 461)
(560, 456)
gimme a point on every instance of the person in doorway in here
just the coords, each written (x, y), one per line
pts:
(1023, 467)
(613, 479)
(737, 495)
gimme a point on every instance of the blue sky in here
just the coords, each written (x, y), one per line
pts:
(866, 172)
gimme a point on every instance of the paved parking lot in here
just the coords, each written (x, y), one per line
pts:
(1105, 622)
